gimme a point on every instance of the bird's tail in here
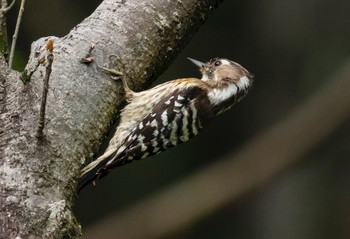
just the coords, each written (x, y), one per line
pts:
(92, 172)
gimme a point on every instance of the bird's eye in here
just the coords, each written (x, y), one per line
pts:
(217, 63)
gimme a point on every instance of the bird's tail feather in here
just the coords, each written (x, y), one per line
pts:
(91, 173)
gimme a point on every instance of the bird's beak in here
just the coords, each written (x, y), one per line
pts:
(197, 63)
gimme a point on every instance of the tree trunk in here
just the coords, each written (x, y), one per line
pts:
(38, 176)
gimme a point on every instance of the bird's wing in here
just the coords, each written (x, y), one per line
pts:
(172, 121)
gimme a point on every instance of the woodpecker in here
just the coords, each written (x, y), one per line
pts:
(169, 114)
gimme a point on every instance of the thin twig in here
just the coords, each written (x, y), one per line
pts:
(15, 35)
(87, 59)
(41, 122)
(6, 9)
(3, 26)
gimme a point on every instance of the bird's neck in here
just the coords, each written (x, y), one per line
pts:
(225, 93)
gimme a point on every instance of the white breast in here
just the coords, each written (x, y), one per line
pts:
(217, 96)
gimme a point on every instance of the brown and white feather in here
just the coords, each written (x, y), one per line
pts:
(170, 114)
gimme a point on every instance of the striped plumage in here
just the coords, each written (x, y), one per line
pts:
(170, 114)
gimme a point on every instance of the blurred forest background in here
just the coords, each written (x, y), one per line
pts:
(293, 48)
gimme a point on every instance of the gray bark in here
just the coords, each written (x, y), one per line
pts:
(38, 177)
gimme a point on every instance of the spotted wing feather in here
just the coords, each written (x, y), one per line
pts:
(172, 121)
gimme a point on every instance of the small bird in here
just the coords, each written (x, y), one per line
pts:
(169, 114)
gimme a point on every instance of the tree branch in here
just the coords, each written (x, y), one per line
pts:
(37, 181)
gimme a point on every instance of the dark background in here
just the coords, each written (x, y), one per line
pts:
(292, 48)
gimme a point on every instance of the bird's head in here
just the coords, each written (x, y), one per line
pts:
(223, 70)
(227, 81)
